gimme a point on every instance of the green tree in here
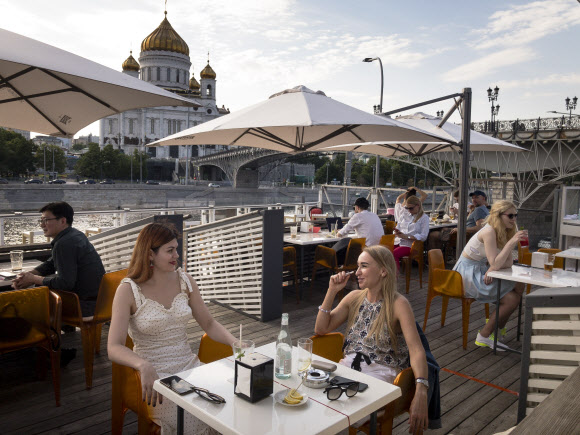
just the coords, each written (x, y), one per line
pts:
(16, 154)
(78, 147)
(89, 164)
(49, 151)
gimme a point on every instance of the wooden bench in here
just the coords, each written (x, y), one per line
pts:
(28, 236)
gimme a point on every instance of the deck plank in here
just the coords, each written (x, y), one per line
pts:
(467, 406)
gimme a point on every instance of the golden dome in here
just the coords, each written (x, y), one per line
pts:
(164, 38)
(208, 72)
(194, 84)
(130, 63)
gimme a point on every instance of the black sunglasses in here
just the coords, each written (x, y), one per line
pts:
(411, 208)
(205, 394)
(333, 392)
(511, 215)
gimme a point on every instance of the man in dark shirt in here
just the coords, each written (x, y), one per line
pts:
(74, 266)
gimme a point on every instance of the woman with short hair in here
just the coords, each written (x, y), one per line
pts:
(488, 250)
(154, 305)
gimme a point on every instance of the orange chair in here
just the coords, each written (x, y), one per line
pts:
(328, 346)
(416, 254)
(31, 318)
(406, 382)
(447, 284)
(289, 265)
(211, 350)
(390, 226)
(524, 254)
(326, 258)
(91, 326)
(388, 241)
(127, 394)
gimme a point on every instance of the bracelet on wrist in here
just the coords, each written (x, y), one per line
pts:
(323, 310)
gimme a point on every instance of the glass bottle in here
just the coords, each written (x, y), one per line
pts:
(283, 364)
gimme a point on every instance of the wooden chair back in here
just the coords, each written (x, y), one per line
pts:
(388, 241)
(355, 248)
(390, 227)
(558, 261)
(328, 346)
(211, 350)
(288, 256)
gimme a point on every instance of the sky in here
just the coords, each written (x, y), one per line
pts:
(259, 47)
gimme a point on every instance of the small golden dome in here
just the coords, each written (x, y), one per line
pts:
(130, 63)
(194, 84)
(208, 72)
(165, 38)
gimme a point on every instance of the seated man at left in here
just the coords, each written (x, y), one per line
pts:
(74, 266)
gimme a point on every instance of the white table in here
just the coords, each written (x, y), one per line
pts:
(306, 239)
(238, 416)
(434, 226)
(572, 253)
(533, 276)
(27, 265)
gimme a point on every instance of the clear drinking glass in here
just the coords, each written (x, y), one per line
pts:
(434, 216)
(242, 348)
(304, 355)
(293, 231)
(16, 260)
(549, 264)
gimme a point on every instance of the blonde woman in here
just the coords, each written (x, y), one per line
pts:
(491, 249)
(409, 230)
(382, 337)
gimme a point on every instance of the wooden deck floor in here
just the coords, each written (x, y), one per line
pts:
(468, 407)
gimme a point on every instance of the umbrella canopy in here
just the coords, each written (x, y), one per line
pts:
(51, 91)
(451, 132)
(296, 120)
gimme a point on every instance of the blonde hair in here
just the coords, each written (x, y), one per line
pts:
(502, 234)
(385, 260)
(413, 200)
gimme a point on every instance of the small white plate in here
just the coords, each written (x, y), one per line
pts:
(279, 398)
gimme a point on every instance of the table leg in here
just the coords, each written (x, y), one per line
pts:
(301, 270)
(496, 317)
(519, 317)
(373, 424)
(179, 420)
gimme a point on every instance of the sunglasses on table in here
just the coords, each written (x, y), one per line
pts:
(334, 391)
(511, 215)
(209, 396)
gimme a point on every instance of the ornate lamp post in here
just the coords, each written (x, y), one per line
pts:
(492, 96)
(378, 110)
(571, 105)
(440, 114)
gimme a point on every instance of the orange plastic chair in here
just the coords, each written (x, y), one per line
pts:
(326, 258)
(388, 241)
(328, 346)
(447, 284)
(390, 226)
(31, 318)
(524, 254)
(211, 350)
(406, 382)
(416, 254)
(289, 265)
(91, 326)
(127, 394)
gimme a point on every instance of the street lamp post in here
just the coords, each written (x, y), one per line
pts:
(440, 114)
(378, 110)
(492, 96)
(571, 105)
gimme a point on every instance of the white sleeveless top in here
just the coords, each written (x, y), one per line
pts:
(475, 249)
(159, 334)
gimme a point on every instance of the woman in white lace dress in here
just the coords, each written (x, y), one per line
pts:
(154, 304)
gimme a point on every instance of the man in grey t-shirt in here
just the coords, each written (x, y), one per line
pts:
(475, 219)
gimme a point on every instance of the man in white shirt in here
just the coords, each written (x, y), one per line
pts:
(364, 223)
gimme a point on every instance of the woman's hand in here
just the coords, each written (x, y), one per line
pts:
(519, 236)
(397, 231)
(418, 419)
(148, 376)
(487, 279)
(338, 282)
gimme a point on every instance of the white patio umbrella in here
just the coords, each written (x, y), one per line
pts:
(451, 132)
(48, 90)
(296, 120)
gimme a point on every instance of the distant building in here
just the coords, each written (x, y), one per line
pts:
(24, 133)
(164, 61)
(85, 140)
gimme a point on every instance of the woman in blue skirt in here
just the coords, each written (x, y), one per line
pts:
(491, 249)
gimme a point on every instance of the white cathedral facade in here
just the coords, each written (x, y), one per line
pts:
(164, 61)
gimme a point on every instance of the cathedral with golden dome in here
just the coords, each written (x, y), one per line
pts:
(164, 61)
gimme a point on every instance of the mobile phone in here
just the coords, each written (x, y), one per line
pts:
(323, 365)
(178, 385)
(341, 380)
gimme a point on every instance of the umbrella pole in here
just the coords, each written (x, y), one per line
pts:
(464, 171)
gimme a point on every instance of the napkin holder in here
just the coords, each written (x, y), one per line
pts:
(254, 377)
(539, 259)
(305, 227)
